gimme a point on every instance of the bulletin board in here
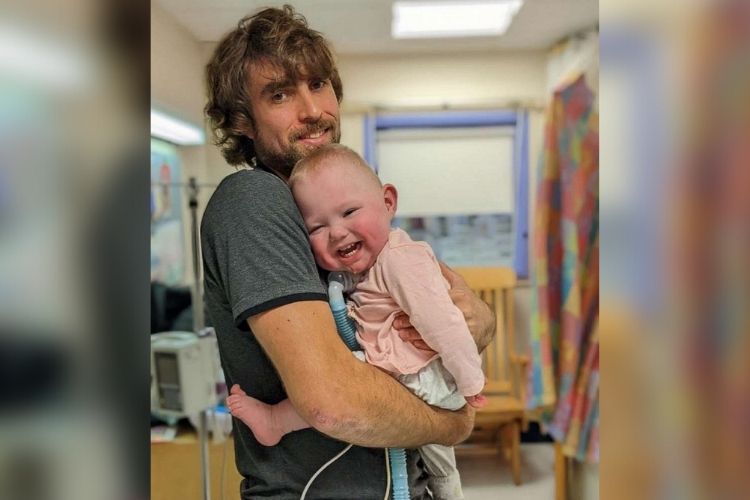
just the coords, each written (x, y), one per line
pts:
(167, 236)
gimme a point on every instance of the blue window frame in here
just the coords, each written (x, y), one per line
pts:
(484, 118)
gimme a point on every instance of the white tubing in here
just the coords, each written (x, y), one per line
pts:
(307, 486)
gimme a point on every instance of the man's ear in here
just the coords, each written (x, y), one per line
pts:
(390, 196)
(249, 130)
(245, 127)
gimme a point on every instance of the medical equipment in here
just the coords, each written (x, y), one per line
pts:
(184, 379)
(338, 283)
(185, 375)
(184, 371)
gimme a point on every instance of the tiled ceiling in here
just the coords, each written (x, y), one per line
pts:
(363, 26)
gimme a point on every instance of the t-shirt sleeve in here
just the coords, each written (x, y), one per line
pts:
(255, 246)
(413, 279)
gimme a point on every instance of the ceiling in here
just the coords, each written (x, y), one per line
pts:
(363, 26)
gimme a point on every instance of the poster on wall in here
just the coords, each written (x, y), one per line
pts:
(167, 242)
(464, 240)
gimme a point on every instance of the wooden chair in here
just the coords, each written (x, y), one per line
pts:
(498, 425)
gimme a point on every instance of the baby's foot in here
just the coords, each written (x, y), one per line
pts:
(256, 415)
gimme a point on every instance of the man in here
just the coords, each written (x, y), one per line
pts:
(274, 94)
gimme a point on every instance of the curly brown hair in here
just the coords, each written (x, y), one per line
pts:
(279, 36)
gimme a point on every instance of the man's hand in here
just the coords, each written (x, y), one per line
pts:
(478, 315)
(408, 333)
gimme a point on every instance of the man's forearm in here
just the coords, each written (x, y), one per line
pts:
(371, 408)
(341, 396)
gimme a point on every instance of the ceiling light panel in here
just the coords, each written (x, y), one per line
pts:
(452, 19)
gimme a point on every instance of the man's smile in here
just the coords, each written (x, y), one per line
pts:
(315, 134)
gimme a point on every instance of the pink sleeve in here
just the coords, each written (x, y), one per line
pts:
(412, 277)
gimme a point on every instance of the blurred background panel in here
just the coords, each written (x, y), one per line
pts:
(73, 354)
(674, 282)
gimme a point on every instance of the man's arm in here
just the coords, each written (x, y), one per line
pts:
(341, 396)
(478, 315)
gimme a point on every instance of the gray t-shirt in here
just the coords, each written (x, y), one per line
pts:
(256, 257)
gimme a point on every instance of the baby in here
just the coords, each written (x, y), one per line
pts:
(348, 212)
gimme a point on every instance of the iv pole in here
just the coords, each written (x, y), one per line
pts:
(198, 324)
(198, 313)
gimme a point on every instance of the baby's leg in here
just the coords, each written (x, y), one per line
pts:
(435, 385)
(443, 480)
(269, 423)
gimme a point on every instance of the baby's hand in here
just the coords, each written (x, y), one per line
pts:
(477, 401)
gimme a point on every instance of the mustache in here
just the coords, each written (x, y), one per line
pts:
(320, 126)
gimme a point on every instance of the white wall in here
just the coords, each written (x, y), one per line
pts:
(353, 131)
(473, 80)
(177, 88)
(572, 57)
(176, 68)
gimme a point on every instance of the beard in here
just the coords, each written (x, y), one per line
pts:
(282, 161)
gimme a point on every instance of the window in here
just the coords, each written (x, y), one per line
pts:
(462, 182)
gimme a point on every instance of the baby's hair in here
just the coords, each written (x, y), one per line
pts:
(328, 155)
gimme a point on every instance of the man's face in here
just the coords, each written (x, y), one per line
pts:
(291, 118)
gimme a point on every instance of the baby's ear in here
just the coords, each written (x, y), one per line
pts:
(390, 196)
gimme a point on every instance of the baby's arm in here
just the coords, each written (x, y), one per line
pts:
(413, 279)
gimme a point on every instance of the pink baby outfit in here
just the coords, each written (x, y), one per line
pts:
(406, 277)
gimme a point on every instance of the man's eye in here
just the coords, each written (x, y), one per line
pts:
(278, 97)
(318, 84)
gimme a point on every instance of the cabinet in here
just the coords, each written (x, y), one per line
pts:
(176, 469)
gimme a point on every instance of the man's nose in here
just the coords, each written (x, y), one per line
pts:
(309, 110)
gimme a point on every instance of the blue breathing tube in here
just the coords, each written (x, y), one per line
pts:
(338, 283)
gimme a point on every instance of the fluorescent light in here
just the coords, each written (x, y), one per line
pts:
(452, 19)
(173, 130)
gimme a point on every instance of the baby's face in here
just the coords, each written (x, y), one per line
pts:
(347, 216)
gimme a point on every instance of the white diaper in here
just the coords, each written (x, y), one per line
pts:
(435, 385)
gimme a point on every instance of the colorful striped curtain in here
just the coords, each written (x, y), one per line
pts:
(564, 372)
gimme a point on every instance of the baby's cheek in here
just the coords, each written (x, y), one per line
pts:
(316, 244)
(320, 252)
